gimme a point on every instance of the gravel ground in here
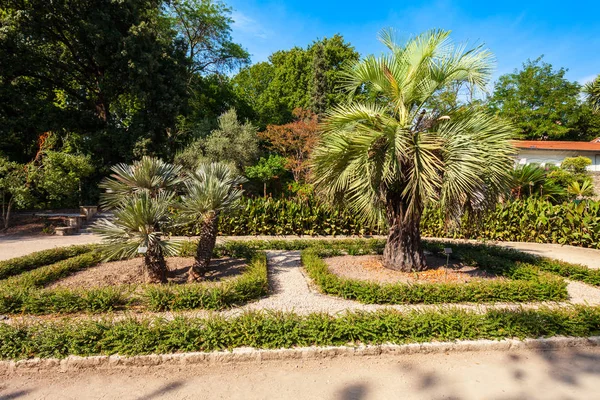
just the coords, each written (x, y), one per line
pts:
(370, 268)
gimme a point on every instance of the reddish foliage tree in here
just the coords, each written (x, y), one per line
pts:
(295, 141)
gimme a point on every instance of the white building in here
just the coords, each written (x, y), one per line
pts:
(545, 152)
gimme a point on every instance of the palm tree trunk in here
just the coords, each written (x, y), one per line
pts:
(156, 266)
(206, 245)
(403, 250)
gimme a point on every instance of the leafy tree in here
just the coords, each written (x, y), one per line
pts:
(538, 99)
(212, 189)
(232, 142)
(295, 141)
(110, 70)
(576, 165)
(275, 88)
(592, 91)
(205, 27)
(55, 177)
(14, 190)
(389, 158)
(267, 169)
(319, 88)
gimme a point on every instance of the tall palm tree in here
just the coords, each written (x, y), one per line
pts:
(390, 156)
(210, 190)
(137, 229)
(592, 90)
(149, 174)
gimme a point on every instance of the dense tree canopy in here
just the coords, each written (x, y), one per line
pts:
(86, 84)
(538, 99)
(287, 81)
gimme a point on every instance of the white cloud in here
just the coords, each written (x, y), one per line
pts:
(248, 26)
(587, 79)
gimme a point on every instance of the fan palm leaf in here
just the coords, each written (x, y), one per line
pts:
(389, 157)
(149, 174)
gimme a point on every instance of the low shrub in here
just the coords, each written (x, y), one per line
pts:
(252, 284)
(25, 293)
(16, 266)
(284, 330)
(32, 301)
(540, 287)
(50, 273)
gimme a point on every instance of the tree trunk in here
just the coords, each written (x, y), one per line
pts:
(403, 250)
(6, 211)
(156, 266)
(206, 245)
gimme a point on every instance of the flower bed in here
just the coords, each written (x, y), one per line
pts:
(525, 279)
(25, 293)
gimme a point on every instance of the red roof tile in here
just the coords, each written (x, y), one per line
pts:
(556, 145)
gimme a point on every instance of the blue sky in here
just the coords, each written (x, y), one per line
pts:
(567, 33)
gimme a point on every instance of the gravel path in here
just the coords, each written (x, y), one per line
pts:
(293, 291)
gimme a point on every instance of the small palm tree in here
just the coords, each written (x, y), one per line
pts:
(531, 181)
(592, 90)
(580, 190)
(210, 190)
(149, 174)
(390, 156)
(140, 195)
(137, 229)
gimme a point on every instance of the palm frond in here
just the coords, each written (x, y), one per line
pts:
(212, 187)
(149, 174)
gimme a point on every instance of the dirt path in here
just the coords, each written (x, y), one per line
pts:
(558, 374)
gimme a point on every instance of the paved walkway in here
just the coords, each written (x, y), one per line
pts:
(525, 374)
(18, 246)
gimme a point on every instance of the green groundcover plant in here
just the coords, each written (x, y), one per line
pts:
(15, 266)
(272, 330)
(25, 293)
(522, 279)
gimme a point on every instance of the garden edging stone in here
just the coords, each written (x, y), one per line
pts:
(245, 354)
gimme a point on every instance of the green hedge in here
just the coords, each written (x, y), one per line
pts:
(525, 280)
(285, 330)
(547, 288)
(24, 294)
(528, 220)
(32, 261)
(251, 285)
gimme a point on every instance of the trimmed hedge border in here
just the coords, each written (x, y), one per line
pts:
(526, 281)
(268, 330)
(16, 266)
(24, 294)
